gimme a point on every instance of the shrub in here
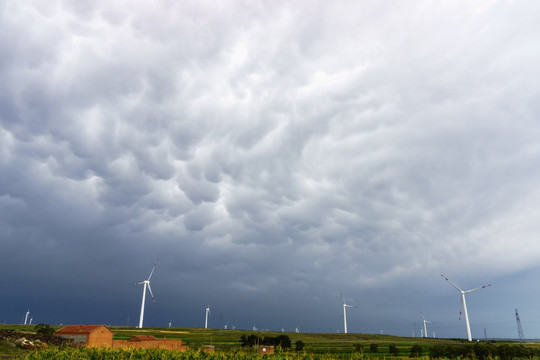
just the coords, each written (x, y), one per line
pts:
(44, 329)
(416, 351)
(282, 340)
(438, 352)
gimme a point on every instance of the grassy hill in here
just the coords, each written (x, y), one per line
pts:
(314, 342)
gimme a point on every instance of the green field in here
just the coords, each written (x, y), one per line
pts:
(321, 346)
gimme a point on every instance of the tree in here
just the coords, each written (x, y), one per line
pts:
(252, 340)
(393, 350)
(373, 348)
(44, 329)
(299, 345)
(282, 340)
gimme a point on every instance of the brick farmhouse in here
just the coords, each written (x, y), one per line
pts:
(101, 336)
(87, 335)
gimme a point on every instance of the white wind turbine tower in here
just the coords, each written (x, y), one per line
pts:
(146, 283)
(464, 304)
(425, 322)
(345, 306)
(26, 316)
(206, 317)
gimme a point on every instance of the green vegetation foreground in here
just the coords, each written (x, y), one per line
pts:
(80, 353)
(241, 344)
(505, 352)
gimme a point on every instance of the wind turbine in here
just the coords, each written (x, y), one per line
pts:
(146, 283)
(26, 316)
(345, 306)
(206, 318)
(464, 303)
(425, 328)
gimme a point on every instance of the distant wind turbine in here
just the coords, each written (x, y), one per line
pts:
(26, 316)
(425, 328)
(146, 283)
(345, 306)
(206, 318)
(464, 304)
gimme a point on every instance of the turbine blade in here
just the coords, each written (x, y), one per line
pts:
(457, 287)
(139, 283)
(480, 288)
(153, 298)
(154, 268)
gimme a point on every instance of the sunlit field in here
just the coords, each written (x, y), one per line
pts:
(227, 345)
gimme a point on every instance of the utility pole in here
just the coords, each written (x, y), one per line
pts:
(520, 330)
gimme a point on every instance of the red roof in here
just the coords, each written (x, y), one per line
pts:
(79, 329)
(142, 338)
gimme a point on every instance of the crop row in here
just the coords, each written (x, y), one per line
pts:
(477, 352)
(80, 353)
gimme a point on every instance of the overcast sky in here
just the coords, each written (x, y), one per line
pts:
(271, 154)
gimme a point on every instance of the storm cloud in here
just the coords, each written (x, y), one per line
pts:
(271, 155)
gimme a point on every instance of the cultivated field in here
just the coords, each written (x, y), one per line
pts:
(317, 346)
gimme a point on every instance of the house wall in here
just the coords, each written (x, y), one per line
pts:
(264, 350)
(167, 344)
(100, 337)
(77, 339)
(208, 349)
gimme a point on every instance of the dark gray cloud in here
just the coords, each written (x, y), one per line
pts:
(271, 155)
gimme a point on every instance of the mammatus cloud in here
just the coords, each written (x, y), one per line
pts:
(270, 147)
